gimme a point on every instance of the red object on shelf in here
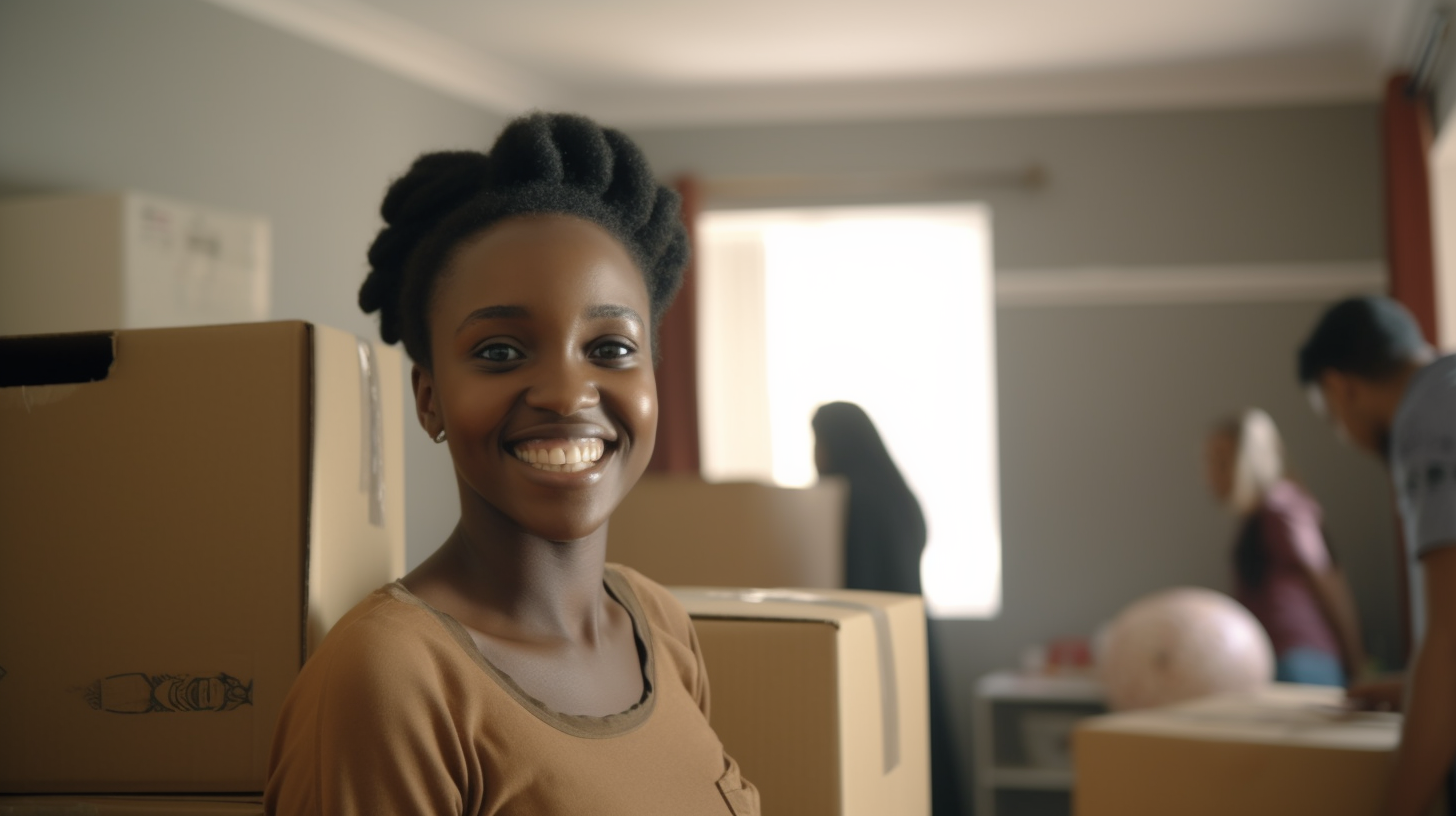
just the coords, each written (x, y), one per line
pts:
(1068, 654)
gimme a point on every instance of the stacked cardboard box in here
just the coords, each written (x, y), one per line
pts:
(687, 532)
(177, 805)
(1284, 751)
(820, 696)
(90, 261)
(182, 513)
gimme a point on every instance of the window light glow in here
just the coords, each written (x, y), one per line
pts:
(890, 308)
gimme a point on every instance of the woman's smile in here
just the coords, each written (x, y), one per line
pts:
(561, 455)
(562, 447)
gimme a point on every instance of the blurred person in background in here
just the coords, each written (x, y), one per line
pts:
(885, 532)
(1368, 369)
(884, 536)
(1283, 570)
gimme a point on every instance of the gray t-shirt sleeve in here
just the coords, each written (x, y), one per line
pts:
(1423, 458)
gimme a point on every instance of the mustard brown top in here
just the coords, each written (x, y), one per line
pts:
(399, 712)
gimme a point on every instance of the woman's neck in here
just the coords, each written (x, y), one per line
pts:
(504, 581)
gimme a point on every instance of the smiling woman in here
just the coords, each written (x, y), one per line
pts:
(539, 348)
(515, 671)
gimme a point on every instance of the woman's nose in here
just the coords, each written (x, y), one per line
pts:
(563, 387)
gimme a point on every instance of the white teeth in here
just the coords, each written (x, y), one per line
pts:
(575, 455)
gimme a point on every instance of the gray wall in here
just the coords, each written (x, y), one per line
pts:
(190, 101)
(1102, 413)
(1131, 189)
(1102, 408)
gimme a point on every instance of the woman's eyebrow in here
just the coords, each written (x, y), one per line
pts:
(609, 310)
(493, 313)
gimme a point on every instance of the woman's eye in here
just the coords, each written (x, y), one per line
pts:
(499, 353)
(612, 351)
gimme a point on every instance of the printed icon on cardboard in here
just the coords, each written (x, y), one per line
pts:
(139, 693)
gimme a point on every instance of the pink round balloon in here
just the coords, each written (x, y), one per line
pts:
(1181, 644)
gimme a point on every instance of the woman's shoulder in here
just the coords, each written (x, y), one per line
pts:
(385, 631)
(1286, 499)
(373, 714)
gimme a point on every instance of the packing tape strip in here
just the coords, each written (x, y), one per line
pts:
(371, 433)
(884, 648)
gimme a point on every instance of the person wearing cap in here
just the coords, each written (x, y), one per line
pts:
(1370, 372)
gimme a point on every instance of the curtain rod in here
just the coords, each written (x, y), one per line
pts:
(873, 185)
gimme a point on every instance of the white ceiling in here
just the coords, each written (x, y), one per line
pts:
(688, 61)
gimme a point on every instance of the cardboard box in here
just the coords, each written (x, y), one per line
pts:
(99, 261)
(820, 696)
(130, 806)
(687, 532)
(182, 513)
(1284, 751)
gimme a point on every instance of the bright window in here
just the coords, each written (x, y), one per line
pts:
(890, 308)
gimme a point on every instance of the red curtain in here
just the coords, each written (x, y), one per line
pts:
(1409, 245)
(677, 370)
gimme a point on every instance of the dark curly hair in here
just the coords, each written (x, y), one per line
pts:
(1370, 337)
(540, 163)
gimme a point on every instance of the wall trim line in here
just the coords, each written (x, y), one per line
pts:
(1231, 283)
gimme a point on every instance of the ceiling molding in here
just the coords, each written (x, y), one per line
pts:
(1235, 283)
(405, 49)
(450, 66)
(1329, 76)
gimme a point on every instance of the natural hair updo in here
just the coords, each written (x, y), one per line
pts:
(541, 163)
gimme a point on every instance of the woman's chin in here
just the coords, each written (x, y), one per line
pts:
(566, 532)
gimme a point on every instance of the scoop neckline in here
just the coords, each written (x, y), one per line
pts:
(578, 725)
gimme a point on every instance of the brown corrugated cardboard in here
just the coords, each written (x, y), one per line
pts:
(684, 531)
(1285, 751)
(130, 806)
(820, 696)
(166, 531)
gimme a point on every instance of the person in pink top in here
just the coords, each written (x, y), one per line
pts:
(1283, 571)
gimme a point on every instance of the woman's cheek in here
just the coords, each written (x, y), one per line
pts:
(646, 407)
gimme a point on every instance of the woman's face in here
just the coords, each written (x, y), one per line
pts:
(542, 376)
(1219, 453)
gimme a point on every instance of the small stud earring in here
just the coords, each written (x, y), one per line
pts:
(440, 437)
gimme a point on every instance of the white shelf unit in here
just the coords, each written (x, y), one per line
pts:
(1012, 691)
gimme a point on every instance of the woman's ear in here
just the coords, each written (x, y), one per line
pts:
(426, 406)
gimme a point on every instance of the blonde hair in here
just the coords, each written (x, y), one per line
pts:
(1258, 458)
